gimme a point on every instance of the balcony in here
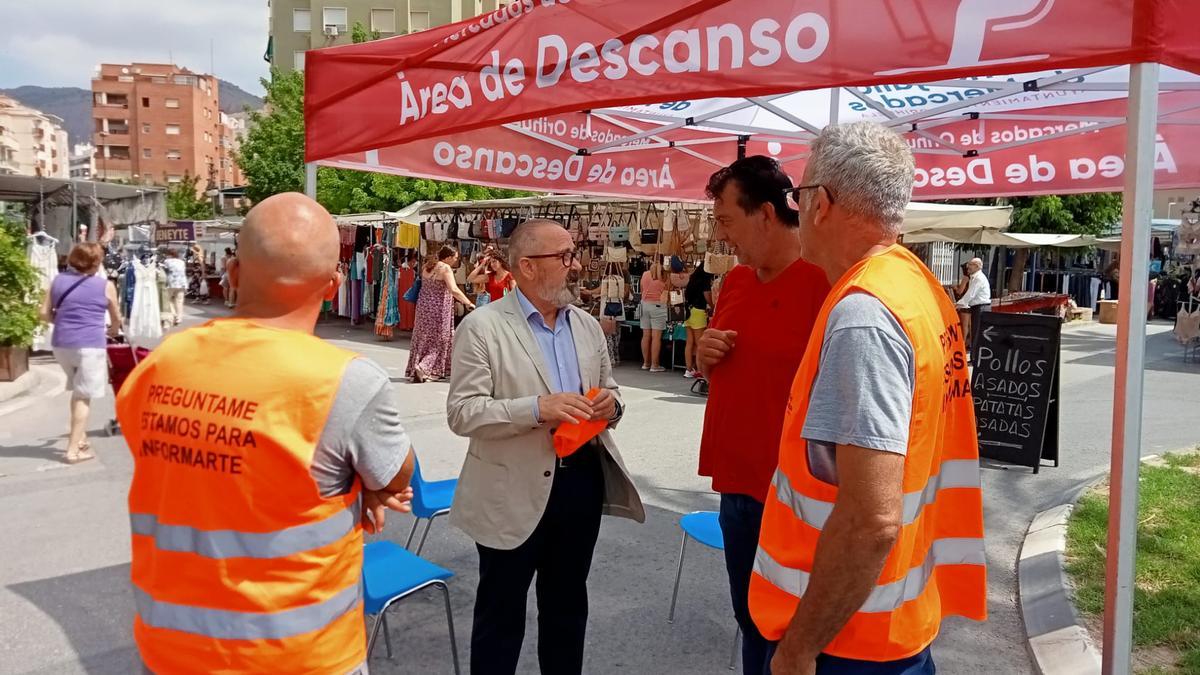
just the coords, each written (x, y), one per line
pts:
(101, 138)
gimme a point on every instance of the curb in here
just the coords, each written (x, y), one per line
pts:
(51, 382)
(1059, 643)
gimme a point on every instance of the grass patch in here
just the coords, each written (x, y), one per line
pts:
(1167, 583)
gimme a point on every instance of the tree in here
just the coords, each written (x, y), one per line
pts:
(360, 34)
(272, 153)
(272, 159)
(1089, 213)
(20, 286)
(183, 202)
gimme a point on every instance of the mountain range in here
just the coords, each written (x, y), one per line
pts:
(74, 105)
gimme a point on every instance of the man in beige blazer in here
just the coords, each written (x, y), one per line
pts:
(521, 368)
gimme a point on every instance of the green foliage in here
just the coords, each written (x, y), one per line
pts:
(184, 202)
(1090, 213)
(20, 287)
(272, 159)
(1166, 598)
(272, 153)
(360, 34)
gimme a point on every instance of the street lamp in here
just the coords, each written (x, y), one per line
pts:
(212, 193)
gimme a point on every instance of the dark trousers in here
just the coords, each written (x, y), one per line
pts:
(976, 318)
(919, 664)
(741, 518)
(559, 552)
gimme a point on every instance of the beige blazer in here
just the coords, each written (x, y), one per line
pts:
(498, 372)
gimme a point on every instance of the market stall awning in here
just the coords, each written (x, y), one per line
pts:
(997, 238)
(627, 98)
(918, 217)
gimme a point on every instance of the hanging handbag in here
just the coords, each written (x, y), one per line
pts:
(677, 298)
(608, 324)
(414, 291)
(464, 228)
(616, 254)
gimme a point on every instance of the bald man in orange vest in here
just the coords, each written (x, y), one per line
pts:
(261, 453)
(872, 532)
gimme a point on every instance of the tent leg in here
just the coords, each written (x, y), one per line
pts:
(1131, 352)
(310, 180)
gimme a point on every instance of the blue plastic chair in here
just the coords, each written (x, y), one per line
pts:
(430, 500)
(704, 527)
(391, 574)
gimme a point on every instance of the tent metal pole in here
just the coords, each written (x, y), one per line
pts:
(1129, 380)
(310, 179)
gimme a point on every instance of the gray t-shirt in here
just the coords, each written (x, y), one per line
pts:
(863, 390)
(362, 434)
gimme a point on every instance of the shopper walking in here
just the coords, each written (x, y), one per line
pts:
(654, 316)
(77, 304)
(698, 296)
(521, 368)
(176, 283)
(433, 330)
(261, 453)
(873, 527)
(763, 320)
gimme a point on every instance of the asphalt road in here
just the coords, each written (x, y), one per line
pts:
(64, 556)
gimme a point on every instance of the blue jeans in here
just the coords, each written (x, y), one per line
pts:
(919, 664)
(741, 518)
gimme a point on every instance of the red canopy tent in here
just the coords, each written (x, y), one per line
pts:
(645, 99)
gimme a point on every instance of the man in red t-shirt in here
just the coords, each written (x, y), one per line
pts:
(765, 313)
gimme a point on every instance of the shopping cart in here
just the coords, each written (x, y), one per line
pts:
(122, 358)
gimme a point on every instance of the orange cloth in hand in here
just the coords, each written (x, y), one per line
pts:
(572, 436)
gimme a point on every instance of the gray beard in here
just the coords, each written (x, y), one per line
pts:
(562, 297)
(559, 297)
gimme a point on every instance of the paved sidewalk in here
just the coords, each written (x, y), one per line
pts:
(64, 580)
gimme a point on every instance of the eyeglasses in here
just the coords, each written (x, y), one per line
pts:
(567, 257)
(793, 194)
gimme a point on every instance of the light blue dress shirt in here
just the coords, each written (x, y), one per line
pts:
(558, 350)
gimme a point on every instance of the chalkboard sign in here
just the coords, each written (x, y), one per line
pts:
(1015, 386)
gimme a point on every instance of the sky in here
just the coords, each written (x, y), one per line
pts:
(58, 43)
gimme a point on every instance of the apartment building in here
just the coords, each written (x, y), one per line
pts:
(32, 143)
(155, 123)
(233, 130)
(83, 161)
(299, 25)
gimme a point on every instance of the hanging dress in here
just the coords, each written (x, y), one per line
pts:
(145, 315)
(45, 260)
(382, 329)
(408, 310)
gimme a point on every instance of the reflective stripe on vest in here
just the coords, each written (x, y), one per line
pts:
(227, 625)
(242, 565)
(221, 544)
(955, 473)
(937, 567)
(885, 597)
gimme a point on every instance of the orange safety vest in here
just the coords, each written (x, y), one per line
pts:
(239, 564)
(937, 567)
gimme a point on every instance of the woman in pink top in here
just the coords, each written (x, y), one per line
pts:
(654, 316)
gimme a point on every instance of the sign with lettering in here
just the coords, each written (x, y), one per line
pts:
(1015, 386)
(175, 231)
